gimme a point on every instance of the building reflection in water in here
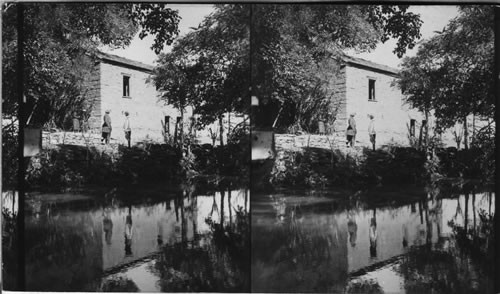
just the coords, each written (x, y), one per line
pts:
(94, 240)
(373, 236)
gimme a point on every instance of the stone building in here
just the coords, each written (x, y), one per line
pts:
(119, 84)
(363, 88)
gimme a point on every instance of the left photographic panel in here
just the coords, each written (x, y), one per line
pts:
(125, 147)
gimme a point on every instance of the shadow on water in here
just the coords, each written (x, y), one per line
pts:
(421, 241)
(175, 241)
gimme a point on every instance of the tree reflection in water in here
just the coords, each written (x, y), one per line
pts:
(386, 245)
(9, 240)
(214, 262)
(119, 284)
(462, 266)
(307, 255)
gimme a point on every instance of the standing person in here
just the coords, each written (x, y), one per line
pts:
(351, 131)
(76, 123)
(106, 127)
(127, 129)
(371, 131)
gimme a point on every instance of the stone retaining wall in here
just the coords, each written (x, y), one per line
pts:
(73, 138)
(336, 141)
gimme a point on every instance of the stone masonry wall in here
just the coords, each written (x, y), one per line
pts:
(72, 138)
(338, 89)
(336, 141)
(147, 113)
(94, 97)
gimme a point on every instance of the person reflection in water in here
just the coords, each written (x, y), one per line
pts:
(373, 238)
(405, 236)
(159, 238)
(128, 233)
(352, 228)
(107, 225)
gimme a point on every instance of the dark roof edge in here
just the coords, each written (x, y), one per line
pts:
(369, 64)
(117, 60)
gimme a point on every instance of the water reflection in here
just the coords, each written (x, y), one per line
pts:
(9, 239)
(117, 245)
(320, 243)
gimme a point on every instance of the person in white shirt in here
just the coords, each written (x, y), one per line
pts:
(127, 129)
(371, 131)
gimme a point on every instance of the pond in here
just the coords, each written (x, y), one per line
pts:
(384, 241)
(179, 241)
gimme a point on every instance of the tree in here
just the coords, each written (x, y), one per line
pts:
(452, 72)
(60, 46)
(217, 56)
(176, 79)
(292, 44)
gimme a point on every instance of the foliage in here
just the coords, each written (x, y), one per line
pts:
(464, 163)
(478, 241)
(364, 286)
(208, 68)
(452, 72)
(9, 156)
(75, 166)
(312, 167)
(224, 254)
(464, 266)
(297, 49)
(9, 248)
(119, 284)
(60, 46)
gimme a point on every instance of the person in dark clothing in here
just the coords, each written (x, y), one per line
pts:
(106, 128)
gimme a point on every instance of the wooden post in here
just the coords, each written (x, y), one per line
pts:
(21, 275)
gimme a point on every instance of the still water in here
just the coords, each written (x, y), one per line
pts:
(171, 242)
(380, 242)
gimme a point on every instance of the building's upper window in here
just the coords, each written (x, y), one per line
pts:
(371, 90)
(126, 86)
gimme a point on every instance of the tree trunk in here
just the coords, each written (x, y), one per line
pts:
(426, 128)
(176, 130)
(228, 124)
(473, 128)
(466, 134)
(420, 137)
(221, 129)
(181, 129)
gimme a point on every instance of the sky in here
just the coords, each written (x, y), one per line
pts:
(140, 50)
(434, 19)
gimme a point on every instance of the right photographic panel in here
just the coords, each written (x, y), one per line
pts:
(373, 155)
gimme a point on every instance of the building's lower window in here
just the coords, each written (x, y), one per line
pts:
(412, 127)
(167, 125)
(371, 90)
(126, 86)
